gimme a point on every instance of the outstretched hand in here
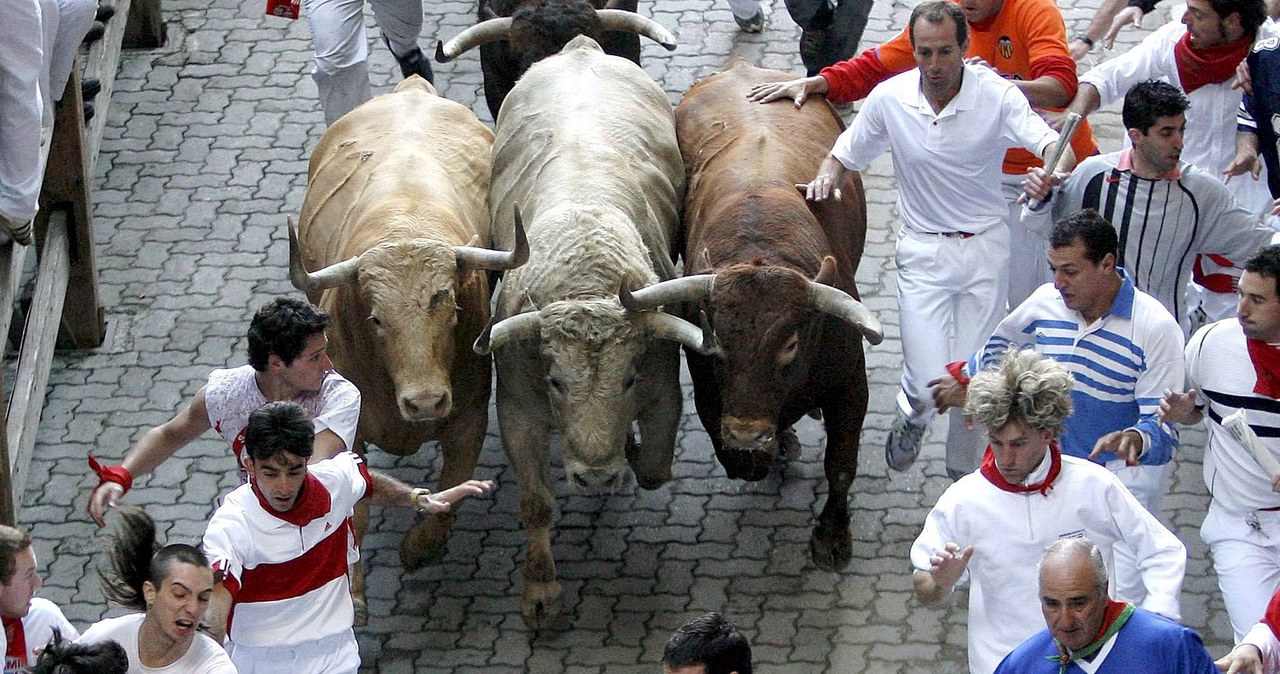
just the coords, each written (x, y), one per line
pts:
(442, 501)
(948, 564)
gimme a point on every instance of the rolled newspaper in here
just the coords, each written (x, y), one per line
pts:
(1238, 426)
(1064, 141)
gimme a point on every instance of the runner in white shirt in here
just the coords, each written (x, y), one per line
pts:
(948, 125)
(281, 545)
(29, 622)
(171, 589)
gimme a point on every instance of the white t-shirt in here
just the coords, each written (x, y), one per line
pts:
(231, 395)
(37, 630)
(204, 656)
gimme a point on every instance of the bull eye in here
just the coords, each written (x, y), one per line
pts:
(555, 383)
(629, 381)
(789, 350)
(377, 322)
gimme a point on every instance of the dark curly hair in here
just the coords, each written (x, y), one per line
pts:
(282, 326)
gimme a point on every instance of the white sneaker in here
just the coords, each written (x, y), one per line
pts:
(18, 230)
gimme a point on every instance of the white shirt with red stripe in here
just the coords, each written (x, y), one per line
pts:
(24, 636)
(231, 395)
(287, 572)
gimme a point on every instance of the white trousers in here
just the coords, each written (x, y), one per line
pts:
(744, 9)
(21, 62)
(1246, 557)
(65, 24)
(337, 654)
(1147, 484)
(338, 35)
(951, 295)
(1028, 251)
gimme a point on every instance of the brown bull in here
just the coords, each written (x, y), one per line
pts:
(776, 275)
(397, 203)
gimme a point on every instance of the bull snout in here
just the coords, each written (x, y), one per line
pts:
(597, 481)
(748, 434)
(748, 448)
(426, 404)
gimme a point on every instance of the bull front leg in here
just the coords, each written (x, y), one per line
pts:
(524, 438)
(658, 418)
(461, 439)
(831, 543)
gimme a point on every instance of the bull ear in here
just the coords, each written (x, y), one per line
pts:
(497, 335)
(660, 325)
(840, 304)
(313, 282)
(630, 22)
(484, 32)
(496, 260)
(684, 289)
(827, 274)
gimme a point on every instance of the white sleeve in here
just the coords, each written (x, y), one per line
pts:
(865, 139)
(1023, 127)
(1146, 60)
(1261, 637)
(341, 410)
(346, 477)
(1161, 557)
(226, 529)
(937, 532)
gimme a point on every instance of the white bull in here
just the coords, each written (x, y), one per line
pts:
(397, 203)
(586, 148)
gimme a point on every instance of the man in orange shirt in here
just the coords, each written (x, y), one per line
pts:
(1023, 40)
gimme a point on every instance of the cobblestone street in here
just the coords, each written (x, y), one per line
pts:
(205, 155)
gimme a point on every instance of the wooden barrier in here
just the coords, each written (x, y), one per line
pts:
(64, 311)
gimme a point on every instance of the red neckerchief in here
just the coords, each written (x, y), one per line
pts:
(1209, 65)
(1116, 616)
(17, 636)
(1266, 365)
(1272, 616)
(313, 502)
(992, 473)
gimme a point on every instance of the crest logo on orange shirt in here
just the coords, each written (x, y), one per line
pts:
(1005, 46)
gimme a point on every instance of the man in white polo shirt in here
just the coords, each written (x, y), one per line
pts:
(948, 125)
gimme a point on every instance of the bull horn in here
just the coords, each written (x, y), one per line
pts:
(497, 335)
(496, 260)
(312, 282)
(630, 22)
(684, 289)
(699, 338)
(484, 32)
(840, 304)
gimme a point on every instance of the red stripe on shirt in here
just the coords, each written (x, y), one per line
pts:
(311, 570)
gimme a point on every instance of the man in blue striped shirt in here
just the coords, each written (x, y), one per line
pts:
(1121, 345)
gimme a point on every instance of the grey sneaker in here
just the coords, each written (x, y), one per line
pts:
(903, 444)
(18, 230)
(753, 25)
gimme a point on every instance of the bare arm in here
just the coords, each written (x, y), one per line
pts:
(157, 445)
(387, 490)
(327, 445)
(219, 608)
(948, 565)
(1246, 159)
(1086, 101)
(1044, 92)
(1101, 25)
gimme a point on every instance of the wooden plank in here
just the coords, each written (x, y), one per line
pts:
(35, 358)
(145, 29)
(69, 187)
(8, 504)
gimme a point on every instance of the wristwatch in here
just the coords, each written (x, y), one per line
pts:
(1084, 38)
(413, 498)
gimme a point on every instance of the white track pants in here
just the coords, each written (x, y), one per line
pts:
(1246, 557)
(951, 295)
(21, 63)
(63, 34)
(337, 654)
(1028, 251)
(744, 9)
(342, 51)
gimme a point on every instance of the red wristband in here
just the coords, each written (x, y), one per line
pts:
(117, 474)
(956, 370)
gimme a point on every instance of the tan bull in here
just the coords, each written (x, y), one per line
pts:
(396, 223)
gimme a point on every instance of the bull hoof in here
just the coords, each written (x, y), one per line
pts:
(650, 482)
(424, 544)
(789, 443)
(832, 548)
(540, 606)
